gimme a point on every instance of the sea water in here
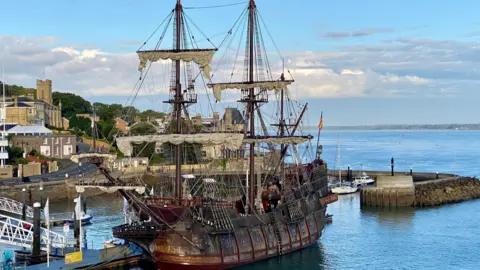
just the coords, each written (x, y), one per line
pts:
(444, 237)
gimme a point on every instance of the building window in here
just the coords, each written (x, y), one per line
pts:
(56, 151)
(45, 141)
(57, 141)
(68, 140)
(29, 111)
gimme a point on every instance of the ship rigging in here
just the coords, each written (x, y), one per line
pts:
(205, 226)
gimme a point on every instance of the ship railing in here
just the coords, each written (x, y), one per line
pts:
(187, 202)
(146, 228)
(107, 184)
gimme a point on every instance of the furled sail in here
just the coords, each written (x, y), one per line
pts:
(279, 140)
(229, 140)
(111, 189)
(269, 85)
(110, 157)
(202, 57)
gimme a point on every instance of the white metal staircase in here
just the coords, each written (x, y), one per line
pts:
(14, 207)
(17, 232)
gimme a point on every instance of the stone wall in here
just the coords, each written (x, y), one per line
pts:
(29, 169)
(6, 173)
(440, 192)
(55, 190)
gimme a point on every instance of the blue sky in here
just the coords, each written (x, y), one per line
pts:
(361, 62)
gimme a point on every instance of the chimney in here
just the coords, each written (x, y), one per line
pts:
(228, 117)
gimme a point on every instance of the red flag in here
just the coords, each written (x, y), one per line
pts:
(320, 125)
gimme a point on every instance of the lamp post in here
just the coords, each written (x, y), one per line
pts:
(24, 207)
(393, 164)
(41, 195)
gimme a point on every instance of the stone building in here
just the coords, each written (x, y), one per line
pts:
(55, 146)
(47, 112)
(26, 110)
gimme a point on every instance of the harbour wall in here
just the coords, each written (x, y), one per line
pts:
(417, 176)
(446, 191)
(425, 190)
(54, 190)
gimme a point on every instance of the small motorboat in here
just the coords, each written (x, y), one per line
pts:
(113, 243)
(85, 219)
(363, 180)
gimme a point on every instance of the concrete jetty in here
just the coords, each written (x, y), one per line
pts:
(391, 191)
(418, 189)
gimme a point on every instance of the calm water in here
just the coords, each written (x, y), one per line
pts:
(444, 237)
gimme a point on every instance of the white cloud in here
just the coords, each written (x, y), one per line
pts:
(402, 67)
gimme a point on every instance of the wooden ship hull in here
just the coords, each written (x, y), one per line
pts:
(253, 238)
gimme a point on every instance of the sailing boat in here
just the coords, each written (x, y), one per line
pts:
(342, 189)
(184, 229)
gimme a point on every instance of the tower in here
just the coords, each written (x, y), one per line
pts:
(44, 91)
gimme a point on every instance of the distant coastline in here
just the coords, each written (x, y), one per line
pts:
(406, 127)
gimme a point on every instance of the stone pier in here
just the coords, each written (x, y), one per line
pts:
(390, 191)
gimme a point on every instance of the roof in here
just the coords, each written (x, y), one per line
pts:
(29, 130)
(19, 104)
(237, 117)
(19, 98)
(120, 119)
(8, 126)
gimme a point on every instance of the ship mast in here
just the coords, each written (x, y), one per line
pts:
(251, 100)
(178, 102)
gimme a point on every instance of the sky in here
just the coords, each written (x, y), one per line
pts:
(360, 62)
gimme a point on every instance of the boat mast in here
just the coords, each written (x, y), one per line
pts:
(251, 95)
(94, 130)
(178, 101)
(282, 126)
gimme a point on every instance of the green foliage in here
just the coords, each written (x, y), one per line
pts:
(107, 130)
(16, 90)
(129, 113)
(190, 152)
(223, 163)
(156, 159)
(152, 114)
(83, 124)
(144, 149)
(71, 104)
(34, 153)
(114, 149)
(143, 128)
(21, 161)
(15, 155)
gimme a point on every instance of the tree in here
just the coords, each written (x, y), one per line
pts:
(152, 114)
(128, 113)
(143, 128)
(83, 124)
(16, 90)
(143, 149)
(15, 155)
(71, 104)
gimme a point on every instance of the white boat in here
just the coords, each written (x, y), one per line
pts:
(343, 188)
(113, 243)
(363, 180)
